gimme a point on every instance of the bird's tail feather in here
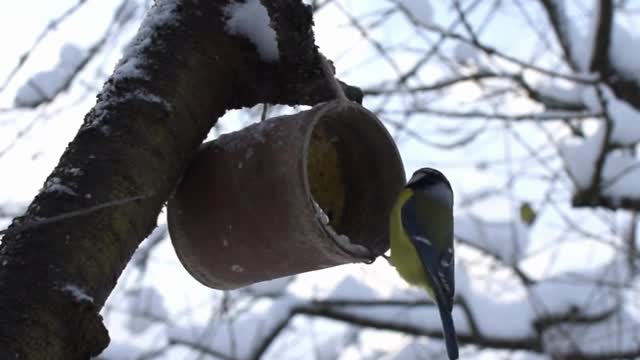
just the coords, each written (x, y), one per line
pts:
(448, 330)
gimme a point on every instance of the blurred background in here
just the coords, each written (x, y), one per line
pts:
(528, 106)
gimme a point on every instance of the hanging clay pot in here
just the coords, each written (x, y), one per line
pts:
(287, 195)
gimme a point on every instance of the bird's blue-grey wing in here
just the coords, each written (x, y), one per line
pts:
(437, 258)
(438, 262)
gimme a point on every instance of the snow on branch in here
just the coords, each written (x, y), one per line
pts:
(604, 171)
(44, 86)
(518, 320)
(251, 20)
(506, 240)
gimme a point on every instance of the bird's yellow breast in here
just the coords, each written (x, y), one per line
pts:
(403, 253)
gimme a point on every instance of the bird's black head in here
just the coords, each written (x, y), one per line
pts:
(426, 177)
(432, 183)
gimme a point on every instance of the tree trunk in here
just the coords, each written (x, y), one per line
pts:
(60, 261)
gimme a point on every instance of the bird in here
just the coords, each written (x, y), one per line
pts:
(421, 237)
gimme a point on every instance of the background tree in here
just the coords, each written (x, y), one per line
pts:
(528, 106)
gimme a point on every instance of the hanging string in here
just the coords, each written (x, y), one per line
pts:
(16, 228)
(337, 88)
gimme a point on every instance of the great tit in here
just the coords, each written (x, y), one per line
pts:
(422, 242)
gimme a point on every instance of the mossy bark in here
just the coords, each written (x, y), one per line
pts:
(54, 278)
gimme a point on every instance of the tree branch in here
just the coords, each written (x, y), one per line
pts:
(177, 77)
(559, 24)
(602, 37)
